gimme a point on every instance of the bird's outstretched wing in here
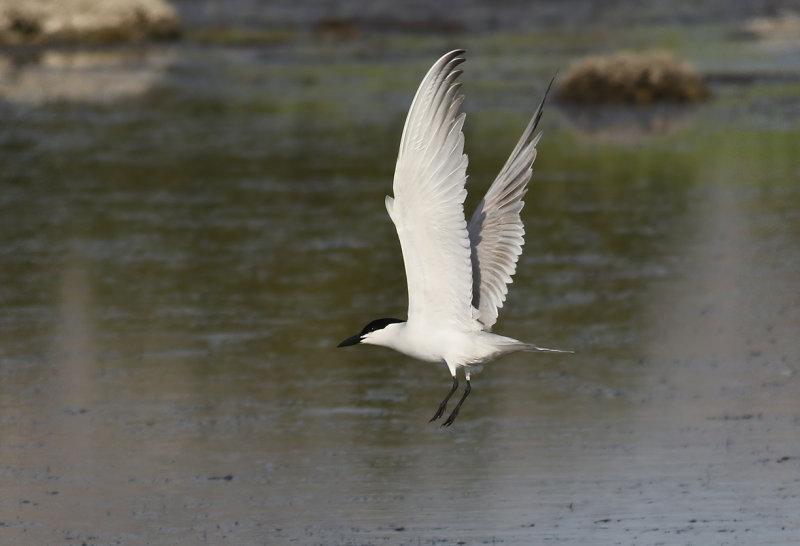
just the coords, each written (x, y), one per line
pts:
(495, 230)
(428, 204)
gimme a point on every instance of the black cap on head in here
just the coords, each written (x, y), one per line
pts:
(377, 324)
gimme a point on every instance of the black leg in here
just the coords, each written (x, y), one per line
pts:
(458, 407)
(443, 405)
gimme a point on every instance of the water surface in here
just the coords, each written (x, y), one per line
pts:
(183, 253)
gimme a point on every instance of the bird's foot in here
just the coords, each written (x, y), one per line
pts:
(443, 405)
(439, 412)
(458, 406)
(451, 418)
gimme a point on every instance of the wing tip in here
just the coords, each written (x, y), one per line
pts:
(537, 116)
(452, 59)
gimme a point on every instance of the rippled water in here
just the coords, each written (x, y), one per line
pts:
(182, 253)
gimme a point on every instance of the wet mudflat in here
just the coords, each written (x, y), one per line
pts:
(183, 253)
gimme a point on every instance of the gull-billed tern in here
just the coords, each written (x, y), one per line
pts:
(457, 272)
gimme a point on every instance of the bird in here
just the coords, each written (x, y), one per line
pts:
(457, 272)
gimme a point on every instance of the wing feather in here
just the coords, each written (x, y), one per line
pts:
(428, 204)
(496, 231)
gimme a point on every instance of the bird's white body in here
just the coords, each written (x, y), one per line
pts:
(457, 272)
(456, 348)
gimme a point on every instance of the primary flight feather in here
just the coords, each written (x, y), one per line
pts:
(457, 273)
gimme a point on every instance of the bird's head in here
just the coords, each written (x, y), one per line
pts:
(377, 332)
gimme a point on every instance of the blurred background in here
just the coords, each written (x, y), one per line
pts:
(191, 218)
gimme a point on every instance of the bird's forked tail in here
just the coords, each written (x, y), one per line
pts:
(531, 348)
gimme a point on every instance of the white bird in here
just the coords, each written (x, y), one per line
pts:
(457, 273)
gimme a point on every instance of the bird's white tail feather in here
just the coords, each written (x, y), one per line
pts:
(530, 347)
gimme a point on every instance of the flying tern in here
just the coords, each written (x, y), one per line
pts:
(457, 272)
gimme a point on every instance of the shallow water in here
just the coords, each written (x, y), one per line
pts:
(182, 254)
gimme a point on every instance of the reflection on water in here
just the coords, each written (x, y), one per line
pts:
(178, 267)
(626, 124)
(85, 76)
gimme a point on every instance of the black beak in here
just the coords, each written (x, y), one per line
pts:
(355, 340)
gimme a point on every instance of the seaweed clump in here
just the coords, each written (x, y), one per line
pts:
(636, 78)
